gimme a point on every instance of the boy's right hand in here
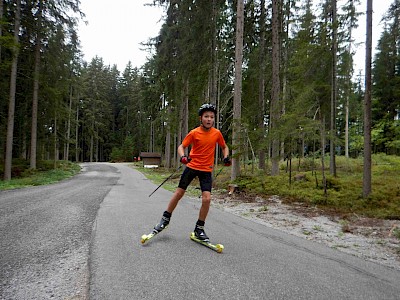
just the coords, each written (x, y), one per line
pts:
(185, 160)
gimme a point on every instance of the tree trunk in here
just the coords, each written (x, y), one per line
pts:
(77, 132)
(69, 125)
(11, 105)
(168, 141)
(275, 109)
(55, 141)
(179, 135)
(214, 56)
(349, 89)
(237, 97)
(92, 142)
(168, 148)
(217, 117)
(35, 97)
(97, 147)
(186, 109)
(323, 156)
(285, 63)
(261, 86)
(1, 25)
(367, 105)
(333, 92)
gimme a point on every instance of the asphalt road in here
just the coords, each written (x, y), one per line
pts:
(103, 252)
(45, 234)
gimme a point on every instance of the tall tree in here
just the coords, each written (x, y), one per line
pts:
(367, 104)
(13, 85)
(36, 74)
(332, 162)
(351, 22)
(261, 84)
(1, 24)
(237, 96)
(276, 88)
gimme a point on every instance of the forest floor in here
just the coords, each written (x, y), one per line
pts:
(368, 238)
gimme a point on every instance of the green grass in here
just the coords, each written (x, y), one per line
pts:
(344, 192)
(396, 233)
(158, 175)
(44, 174)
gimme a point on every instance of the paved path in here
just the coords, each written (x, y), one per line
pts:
(45, 234)
(257, 263)
(80, 239)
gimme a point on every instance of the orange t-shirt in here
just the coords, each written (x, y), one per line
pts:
(203, 147)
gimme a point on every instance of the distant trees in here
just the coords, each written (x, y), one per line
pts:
(385, 91)
(38, 60)
(292, 92)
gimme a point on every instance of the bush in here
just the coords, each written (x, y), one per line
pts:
(117, 155)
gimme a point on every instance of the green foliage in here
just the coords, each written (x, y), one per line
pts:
(117, 155)
(126, 153)
(115, 116)
(396, 232)
(44, 174)
(344, 193)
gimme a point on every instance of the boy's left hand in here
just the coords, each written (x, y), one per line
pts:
(227, 161)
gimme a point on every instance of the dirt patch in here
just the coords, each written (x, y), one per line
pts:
(368, 238)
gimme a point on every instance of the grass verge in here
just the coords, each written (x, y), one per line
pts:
(44, 174)
(343, 193)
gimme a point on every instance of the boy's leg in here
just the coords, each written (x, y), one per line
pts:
(205, 184)
(205, 205)
(185, 180)
(179, 192)
(170, 208)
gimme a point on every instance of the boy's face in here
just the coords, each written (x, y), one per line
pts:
(207, 119)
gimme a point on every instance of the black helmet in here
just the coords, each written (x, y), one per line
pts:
(207, 107)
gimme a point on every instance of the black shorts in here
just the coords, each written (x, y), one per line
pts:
(189, 174)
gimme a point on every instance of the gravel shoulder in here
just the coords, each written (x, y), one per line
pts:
(369, 239)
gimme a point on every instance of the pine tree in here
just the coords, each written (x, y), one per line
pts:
(275, 109)
(237, 98)
(13, 83)
(367, 105)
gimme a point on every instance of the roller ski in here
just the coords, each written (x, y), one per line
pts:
(157, 229)
(199, 236)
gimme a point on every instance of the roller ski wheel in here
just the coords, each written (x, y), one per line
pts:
(217, 247)
(146, 237)
(157, 229)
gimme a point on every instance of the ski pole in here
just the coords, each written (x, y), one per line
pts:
(165, 180)
(218, 173)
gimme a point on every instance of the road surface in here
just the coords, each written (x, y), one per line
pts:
(258, 262)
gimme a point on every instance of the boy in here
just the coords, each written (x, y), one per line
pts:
(199, 164)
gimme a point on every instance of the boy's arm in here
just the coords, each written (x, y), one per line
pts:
(225, 151)
(181, 150)
(227, 160)
(183, 158)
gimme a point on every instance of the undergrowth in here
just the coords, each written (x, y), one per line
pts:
(343, 193)
(45, 173)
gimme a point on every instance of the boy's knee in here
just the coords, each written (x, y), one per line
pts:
(206, 199)
(180, 192)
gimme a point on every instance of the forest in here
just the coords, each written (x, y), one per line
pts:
(281, 74)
